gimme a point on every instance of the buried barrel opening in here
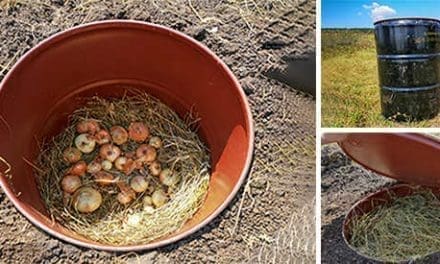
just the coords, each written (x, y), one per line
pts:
(382, 198)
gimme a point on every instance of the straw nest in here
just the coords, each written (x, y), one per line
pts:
(113, 223)
(405, 229)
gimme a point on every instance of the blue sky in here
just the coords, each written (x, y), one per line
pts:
(361, 13)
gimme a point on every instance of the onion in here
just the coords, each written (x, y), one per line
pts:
(79, 168)
(106, 165)
(103, 137)
(159, 198)
(82, 127)
(146, 153)
(87, 126)
(126, 195)
(125, 165)
(168, 178)
(138, 164)
(147, 200)
(104, 178)
(139, 183)
(155, 142)
(124, 198)
(70, 183)
(85, 143)
(109, 152)
(138, 131)
(129, 167)
(148, 204)
(120, 163)
(71, 155)
(155, 168)
(94, 167)
(87, 200)
(119, 135)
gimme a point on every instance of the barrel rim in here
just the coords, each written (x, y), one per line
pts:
(124, 24)
(406, 18)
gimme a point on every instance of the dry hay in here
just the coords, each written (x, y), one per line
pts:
(405, 229)
(294, 243)
(114, 223)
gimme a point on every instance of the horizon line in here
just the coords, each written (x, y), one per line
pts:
(347, 27)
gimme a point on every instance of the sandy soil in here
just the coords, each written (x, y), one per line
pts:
(343, 184)
(272, 218)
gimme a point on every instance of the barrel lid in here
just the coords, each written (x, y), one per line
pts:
(406, 21)
(408, 157)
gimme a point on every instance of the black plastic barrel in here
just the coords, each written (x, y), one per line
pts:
(408, 54)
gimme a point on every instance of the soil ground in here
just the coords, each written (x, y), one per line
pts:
(350, 82)
(343, 183)
(272, 217)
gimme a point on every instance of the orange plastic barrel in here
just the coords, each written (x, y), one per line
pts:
(112, 59)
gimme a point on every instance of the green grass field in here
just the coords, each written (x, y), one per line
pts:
(350, 88)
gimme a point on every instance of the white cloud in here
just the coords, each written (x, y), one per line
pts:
(378, 11)
(359, 13)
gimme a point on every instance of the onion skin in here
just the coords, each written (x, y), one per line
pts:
(138, 132)
(85, 143)
(87, 200)
(146, 153)
(126, 195)
(159, 198)
(79, 168)
(109, 152)
(120, 163)
(155, 168)
(103, 137)
(104, 178)
(82, 127)
(129, 167)
(119, 135)
(124, 198)
(148, 204)
(72, 155)
(125, 165)
(168, 177)
(139, 184)
(155, 142)
(147, 200)
(89, 126)
(94, 167)
(70, 183)
(106, 165)
(138, 164)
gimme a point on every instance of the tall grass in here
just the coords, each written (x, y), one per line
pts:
(350, 88)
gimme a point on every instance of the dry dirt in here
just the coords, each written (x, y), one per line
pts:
(272, 217)
(343, 183)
